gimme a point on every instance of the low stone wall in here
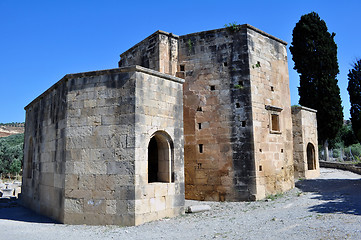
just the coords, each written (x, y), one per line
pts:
(342, 166)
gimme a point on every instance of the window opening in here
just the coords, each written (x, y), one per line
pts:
(200, 148)
(272, 89)
(199, 125)
(225, 64)
(275, 122)
(260, 168)
(199, 109)
(243, 123)
(213, 87)
(240, 83)
(238, 105)
(182, 68)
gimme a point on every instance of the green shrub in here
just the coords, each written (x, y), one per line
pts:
(355, 150)
(336, 153)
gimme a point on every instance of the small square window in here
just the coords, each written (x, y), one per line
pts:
(213, 87)
(182, 68)
(243, 123)
(238, 105)
(225, 64)
(240, 83)
(199, 109)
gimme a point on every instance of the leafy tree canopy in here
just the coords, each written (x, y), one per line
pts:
(314, 52)
(354, 90)
(11, 153)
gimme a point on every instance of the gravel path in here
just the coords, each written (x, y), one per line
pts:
(325, 208)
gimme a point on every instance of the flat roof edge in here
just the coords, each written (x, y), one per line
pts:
(134, 68)
(305, 108)
(242, 26)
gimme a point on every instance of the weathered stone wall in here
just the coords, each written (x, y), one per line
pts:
(107, 120)
(159, 52)
(271, 104)
(99, 183)
(304, 122)
(236, 86)
(343, 166)
(45, 153)
(219, 161)
(159, 113)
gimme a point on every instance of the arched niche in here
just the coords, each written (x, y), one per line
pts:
(311, 158)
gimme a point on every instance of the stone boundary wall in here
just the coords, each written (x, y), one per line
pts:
(342, 166)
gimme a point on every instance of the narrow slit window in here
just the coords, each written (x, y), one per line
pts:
(225, 64)
(243, 123)
(182, 68)
(199, 125)
(272, 89)
(260, 168)
(200, 148)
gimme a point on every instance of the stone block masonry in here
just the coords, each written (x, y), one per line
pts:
(237, 114)
(86, 146)
(126, 146)
(305, 143)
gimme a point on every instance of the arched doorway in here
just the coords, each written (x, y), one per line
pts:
(160, 158)
(311, 159)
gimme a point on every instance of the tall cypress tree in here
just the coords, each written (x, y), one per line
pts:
(354, 90)
(314, 52)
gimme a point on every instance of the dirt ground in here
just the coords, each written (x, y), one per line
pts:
(325, 208)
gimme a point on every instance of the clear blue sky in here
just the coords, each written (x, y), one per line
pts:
(41, 41)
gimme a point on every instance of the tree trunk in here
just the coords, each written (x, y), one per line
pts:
(325, 148)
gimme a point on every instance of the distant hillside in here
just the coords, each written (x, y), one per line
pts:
(7, 129)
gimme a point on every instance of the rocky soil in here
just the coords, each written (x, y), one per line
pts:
(325, 208)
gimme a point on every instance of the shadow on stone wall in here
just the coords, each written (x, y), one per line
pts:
(341, 195)
(11, 210)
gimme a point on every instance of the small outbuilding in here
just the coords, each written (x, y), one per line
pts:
(305, 142)
(106, 147)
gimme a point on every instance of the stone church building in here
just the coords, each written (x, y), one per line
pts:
(204, 116)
